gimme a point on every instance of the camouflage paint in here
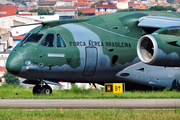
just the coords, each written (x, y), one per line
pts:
(96, 50)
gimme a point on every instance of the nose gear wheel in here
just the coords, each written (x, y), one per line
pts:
(45, 89)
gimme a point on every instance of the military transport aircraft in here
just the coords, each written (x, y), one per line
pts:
(101, 49)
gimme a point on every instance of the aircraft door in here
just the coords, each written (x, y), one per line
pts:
(91, 61)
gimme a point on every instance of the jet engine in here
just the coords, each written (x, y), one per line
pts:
(159, 49)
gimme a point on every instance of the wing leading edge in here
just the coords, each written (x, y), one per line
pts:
(158, 21)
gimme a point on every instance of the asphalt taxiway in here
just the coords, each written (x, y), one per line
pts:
(90, 103)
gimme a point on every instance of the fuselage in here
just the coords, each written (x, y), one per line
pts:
(92, 51)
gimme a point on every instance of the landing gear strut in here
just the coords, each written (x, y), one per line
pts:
(42, 89)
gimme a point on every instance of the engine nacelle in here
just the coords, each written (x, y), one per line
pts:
(159, 50)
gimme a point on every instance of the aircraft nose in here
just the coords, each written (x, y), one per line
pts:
(14, 63)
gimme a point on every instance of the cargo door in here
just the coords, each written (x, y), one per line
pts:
(91, 61)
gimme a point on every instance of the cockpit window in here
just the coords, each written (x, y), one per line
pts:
(25, 37)
(48, 40)
(60, 42)
(34, 38)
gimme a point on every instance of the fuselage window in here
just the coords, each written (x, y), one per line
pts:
(48, 40)
(60, 42)
(34, 38)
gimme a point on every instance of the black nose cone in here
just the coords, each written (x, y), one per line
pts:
(14, 63)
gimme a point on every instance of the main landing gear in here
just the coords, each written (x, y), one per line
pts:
(42, 89)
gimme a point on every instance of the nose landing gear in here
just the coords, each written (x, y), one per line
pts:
(46, 89)
(36, 89)
(42, 89)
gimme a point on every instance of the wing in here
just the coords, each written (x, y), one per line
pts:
(158, 22)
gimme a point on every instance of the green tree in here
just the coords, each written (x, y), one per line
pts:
(161, 8)
(10, 79)
(40, 11)
(80, 13)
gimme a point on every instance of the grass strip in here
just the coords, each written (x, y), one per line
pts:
(104, 114)
(9, 92)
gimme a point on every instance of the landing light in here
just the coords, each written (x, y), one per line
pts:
(27, 68)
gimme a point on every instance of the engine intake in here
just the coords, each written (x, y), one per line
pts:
(145, 49)
(159, 50)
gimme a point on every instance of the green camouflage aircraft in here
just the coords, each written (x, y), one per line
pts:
(101, 49)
